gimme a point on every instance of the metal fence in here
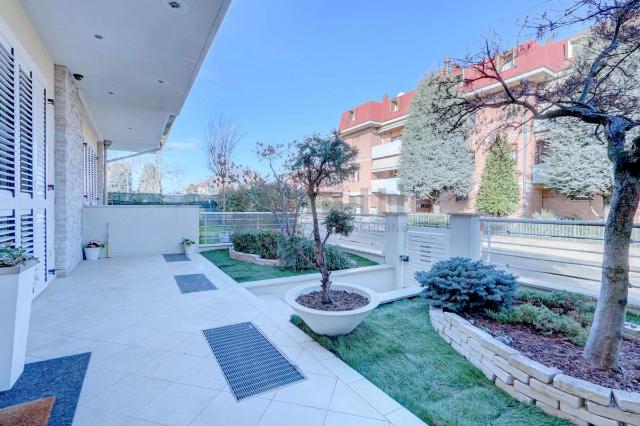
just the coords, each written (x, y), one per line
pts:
(429, 220)
(556, 253)
(367, 236)
(217, 227)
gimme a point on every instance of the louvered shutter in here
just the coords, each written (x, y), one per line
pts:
(8, 230)
(7, 121)
(27, 237)
(26, 132)
(40, 141)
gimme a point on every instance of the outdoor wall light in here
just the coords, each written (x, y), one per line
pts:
(78, 77)
(174, 4)
(98, 36)
(111, 92)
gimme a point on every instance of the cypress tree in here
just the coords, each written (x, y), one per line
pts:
(499, 193)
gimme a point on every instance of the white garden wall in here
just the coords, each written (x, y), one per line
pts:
(141, 230)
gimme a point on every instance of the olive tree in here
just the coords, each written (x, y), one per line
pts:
(323, 161)
(600, 89)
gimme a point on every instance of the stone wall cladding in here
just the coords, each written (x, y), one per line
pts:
(253, 258)
(69, 177)
(528, 381)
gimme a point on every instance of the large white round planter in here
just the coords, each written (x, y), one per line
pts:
(332, 323)
(189, 249)
(92, 253)
(16, 288)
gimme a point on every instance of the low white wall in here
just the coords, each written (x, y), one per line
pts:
(379, 278)
(141, 230)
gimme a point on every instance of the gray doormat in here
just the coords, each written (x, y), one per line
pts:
(193, 282)
(178, 257)
(249, 361)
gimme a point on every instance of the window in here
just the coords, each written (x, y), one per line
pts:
(514, 154)
(27, 232)
(395, 105)
(576, 46)
(8, 230)
(7, 121)
(397, 138)
(542, 149)
(352, 115)
(506, 61)
(462, 198)
(90, 175)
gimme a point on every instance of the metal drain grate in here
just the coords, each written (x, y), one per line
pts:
(193, 282)
(178, 257)
(249, 361)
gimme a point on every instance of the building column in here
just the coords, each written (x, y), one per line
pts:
(103, 146)
(395, 232)
(69, 173)
(465, 236)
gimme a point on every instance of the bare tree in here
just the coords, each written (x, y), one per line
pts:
(601, 89)
(221, 135)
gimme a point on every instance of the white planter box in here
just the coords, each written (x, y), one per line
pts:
(92, 253)
(189, 249)
(16, 287)
(332, 323)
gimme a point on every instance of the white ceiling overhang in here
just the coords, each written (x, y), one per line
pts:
(138, 75)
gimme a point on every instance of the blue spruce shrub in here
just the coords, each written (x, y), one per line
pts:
(460, 284)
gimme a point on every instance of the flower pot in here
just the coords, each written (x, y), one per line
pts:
(332, 323)
(92, 253)
(189, 249)
(16, 289)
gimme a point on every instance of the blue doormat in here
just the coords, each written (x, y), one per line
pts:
(249, 361)
(178, 257)
(60, 378)
(193, 282)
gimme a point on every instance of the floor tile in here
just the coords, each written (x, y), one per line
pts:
(404, 417)
(98, 380)
(283, 414)
(345, 400)
(128, 395)
(342, 370)
(177, 405)
(87, 416)
(169, 366)
(374, 396)
(206, 374)
(316, 391)
(341, 419)
(225, 410)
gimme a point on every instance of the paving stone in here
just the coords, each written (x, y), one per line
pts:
(628, 401)
(552, 391)
(504, 364)
(583, 414)
(587, 390)
(533, 368)
(560, 414)
(613, 412)
(538, 396)
(518, 396)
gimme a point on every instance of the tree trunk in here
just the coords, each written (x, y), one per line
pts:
(320, 259)
(605, 338)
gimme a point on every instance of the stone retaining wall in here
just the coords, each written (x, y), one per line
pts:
(528, 381)
(253, 258)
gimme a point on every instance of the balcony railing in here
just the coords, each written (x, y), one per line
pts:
(386, 149)
(385, 186)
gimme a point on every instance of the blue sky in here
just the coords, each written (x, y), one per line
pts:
(284, 68)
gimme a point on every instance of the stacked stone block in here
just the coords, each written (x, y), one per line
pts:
(530, 382)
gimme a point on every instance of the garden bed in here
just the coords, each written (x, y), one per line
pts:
(244, 271)
(397, 350)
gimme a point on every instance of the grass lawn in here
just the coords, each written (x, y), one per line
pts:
(397, 349)
(245, 271)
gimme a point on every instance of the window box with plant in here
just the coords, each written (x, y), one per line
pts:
(189, 246)
(92, 249)
(17, 276)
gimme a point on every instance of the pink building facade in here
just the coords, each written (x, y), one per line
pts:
(376, 129)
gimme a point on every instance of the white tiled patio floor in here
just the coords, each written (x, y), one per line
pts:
(151, 365)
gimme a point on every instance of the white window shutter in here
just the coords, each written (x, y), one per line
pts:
(7, 121)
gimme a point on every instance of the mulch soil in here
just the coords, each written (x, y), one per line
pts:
(558, 351)
(341, 301)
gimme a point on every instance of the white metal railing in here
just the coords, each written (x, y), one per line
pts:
(385, 186)
(563, 253)
(368, 235)
(386, 149)
(217, 227)
(429, 220)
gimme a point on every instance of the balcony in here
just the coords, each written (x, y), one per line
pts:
(539, 176)
(385, 186)
(386, 149)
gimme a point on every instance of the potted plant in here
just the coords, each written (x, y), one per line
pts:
(189, 246)
(92, 249)
(17, 275)
(320, 162)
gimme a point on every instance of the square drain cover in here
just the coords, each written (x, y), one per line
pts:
(178, 257)
(193, 282)
(249, 361)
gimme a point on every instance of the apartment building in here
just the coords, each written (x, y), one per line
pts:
(376, 129)
(78, 78)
